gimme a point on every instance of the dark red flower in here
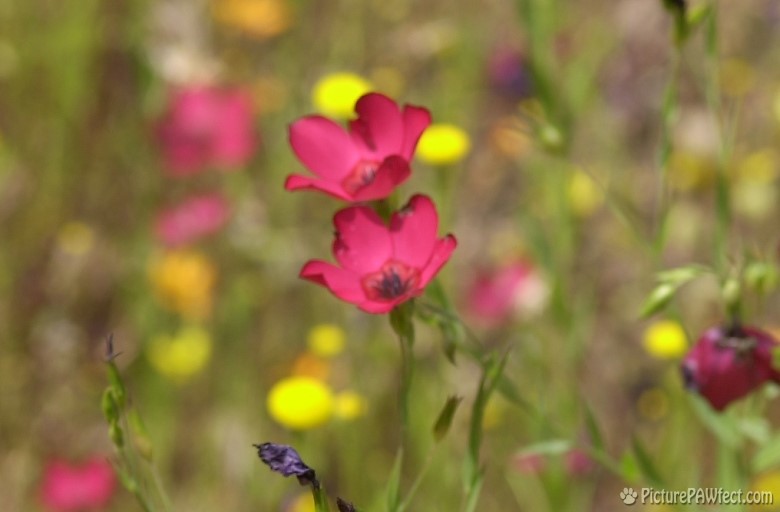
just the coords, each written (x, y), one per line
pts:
(727, 363)
(364, 163)
(206, 126)
(382, 266)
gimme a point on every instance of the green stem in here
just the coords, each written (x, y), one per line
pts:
(401, 319)
(320, 499)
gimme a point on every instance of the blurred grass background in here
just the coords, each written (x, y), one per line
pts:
(572, 188)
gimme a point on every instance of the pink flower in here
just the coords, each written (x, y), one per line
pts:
(726, 364)
(68, 488)
(497, 294)
(194, 218)
(382, 266)
(578, 462)
(529, 463)
(206, 126)
(362, 164)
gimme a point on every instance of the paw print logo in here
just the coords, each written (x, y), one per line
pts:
(628, 495)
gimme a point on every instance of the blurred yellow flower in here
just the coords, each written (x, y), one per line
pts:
(300, 403)
(311, 365)
(494, 412)
(258, 18)
(653, 404)
(737, 77)
(688, 171)
(302, 503)
(350, 405)
(181, 356)
(768, 482)
(326, 340)
(76, 238)
(760, 167)
(335, 94)
(584, 196)
(183, 281)
(665, 339)
(753, 199)
(443, 144)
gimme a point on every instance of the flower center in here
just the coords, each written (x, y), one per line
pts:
(361, 176)
(393, 280)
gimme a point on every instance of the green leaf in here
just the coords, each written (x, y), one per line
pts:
(658, 299)
(629, 467)
(767, 456)
(549, 447)
(444, 421)
(646, 464)
(596, 439)
(721, 425)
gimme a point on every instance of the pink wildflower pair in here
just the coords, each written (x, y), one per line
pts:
(379, 265)
(203, 127)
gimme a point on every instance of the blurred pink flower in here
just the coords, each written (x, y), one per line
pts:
(206, 126)
(68, 488)
(362, 164)
(382, 266)
(509, 73)
(192, 219)
(529, 463)
(578, 462)
(726, 364)
(516, 288)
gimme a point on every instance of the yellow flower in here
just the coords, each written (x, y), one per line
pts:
(653, 404)
(76, 238)
(768, 482)
(688, 171)
(349, 405)
(302, 503)
(665, 340)
(326, 340)
(443, 144)
(335, 94)
(300, 403)
(183, 281)
(585, 197)
(181, 356)
(737, 77)
(759, 167)
(258, 18)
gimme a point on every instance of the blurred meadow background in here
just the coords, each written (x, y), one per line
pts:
(578, 149)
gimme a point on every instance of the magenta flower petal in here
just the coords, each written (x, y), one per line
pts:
(726, 364)
(362, 242)
(391, 173)
(323, 147)
(206, 126)
(298, 182)
(371, 274)
(379, 124)
(441, 254)
(67, 488)
(416, 120)
(234, 141)
(192, 219)
(413, 230)
(342, 283)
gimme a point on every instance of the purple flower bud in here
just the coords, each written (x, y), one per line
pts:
(285, 460)
(727, 363)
